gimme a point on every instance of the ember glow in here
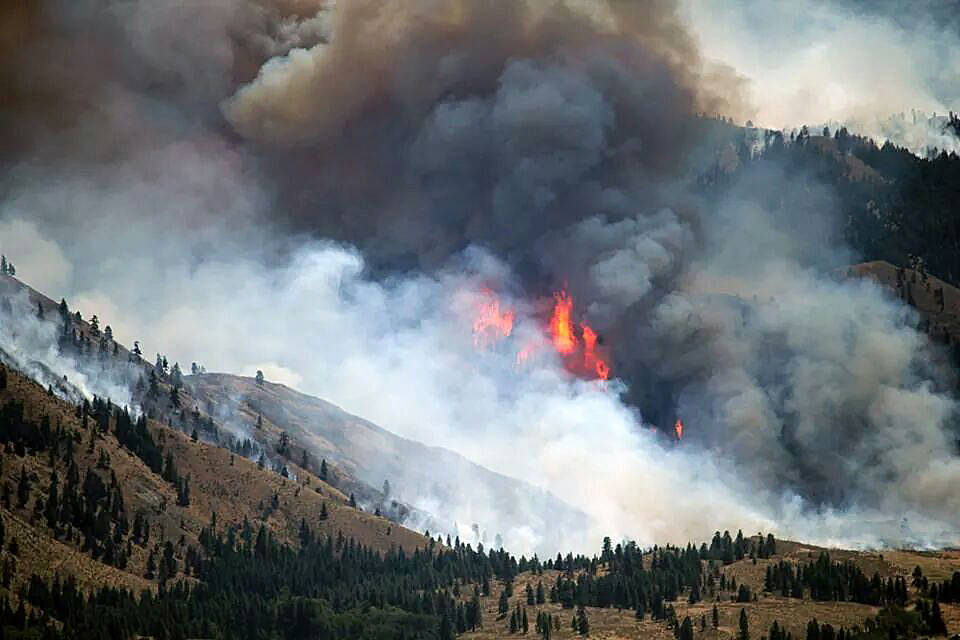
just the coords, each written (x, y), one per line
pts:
(492, 323)
(678, 429)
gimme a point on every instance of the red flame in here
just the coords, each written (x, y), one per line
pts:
(587, 358)
(565, 341)
(561, 328)
(678, 429)
(491, 324)
(589, 339)
(591, 360)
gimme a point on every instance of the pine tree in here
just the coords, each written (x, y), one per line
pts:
(476, 612)
(23, 488)
(716, 617)
(504, 604)
(52, 510)
(686, 629)
(744, 632)
(446, 631)
(170, 469)
(581, 623)
(323, 469)
(151, 566)
(937, 625)
(183, 492)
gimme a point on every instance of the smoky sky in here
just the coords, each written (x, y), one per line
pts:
(164, 153)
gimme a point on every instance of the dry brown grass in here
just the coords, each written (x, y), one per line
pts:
(235, 488)
(612, 623)
(791, 613)
(231, 486)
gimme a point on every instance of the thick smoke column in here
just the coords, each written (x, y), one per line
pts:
(475, 121)
(464, 146)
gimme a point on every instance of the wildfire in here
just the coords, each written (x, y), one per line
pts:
(491, 324)
(678, 429)
(579, 345)
(565, 340)
(561, 328)
(591, 360)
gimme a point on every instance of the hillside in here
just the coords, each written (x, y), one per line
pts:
(668, 584)
(937, 301)
(791, 614)
(373, 455)
(231, 487)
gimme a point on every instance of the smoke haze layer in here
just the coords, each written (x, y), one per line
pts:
(324, 192)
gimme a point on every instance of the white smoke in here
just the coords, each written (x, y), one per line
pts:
(823, 61)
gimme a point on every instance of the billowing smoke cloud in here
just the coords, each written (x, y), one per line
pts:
(323, 192)
(475, 121)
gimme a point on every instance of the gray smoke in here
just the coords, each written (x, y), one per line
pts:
(325, 191)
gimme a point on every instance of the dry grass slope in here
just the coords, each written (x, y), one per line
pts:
(232, 487)
(791, 613)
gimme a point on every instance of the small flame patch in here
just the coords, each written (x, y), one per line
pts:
(492, 324)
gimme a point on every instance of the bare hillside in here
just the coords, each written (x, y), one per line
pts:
(417, 474)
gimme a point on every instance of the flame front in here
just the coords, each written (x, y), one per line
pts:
(582, 354)
(592, 361)
(565, 341)
(678, 429)
(561, 328)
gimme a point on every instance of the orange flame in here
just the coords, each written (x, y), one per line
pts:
(492, 324)
(561, 328)
(602, 369)
(591, 360)
(678, 428)
(589, 339)
(565, 341)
